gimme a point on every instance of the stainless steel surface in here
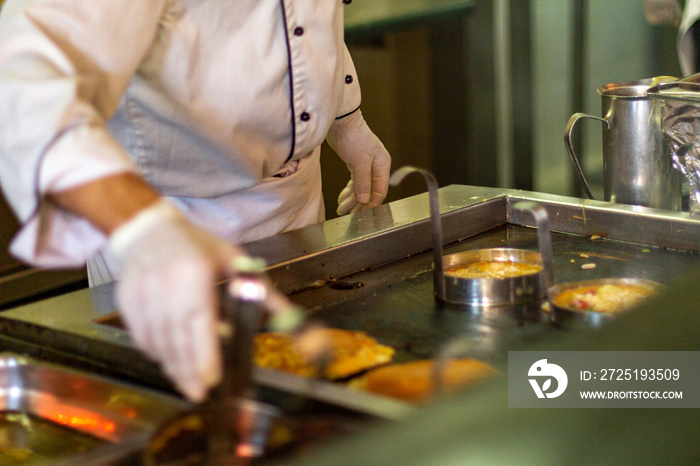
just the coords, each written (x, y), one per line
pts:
(369, 240)
(681, 90)
(388, 249)
(493, 291)
(637, 165)
(588, 319)
(121, 416)
(433, 198)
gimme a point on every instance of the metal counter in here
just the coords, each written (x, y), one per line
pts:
(371, 271)
(387, 250)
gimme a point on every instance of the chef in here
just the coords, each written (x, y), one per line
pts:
(148, 137)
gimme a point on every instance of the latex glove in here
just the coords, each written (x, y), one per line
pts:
(367, 160)
(167, 294)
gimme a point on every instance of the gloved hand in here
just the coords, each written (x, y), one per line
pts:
(167, 295)
(366, 158)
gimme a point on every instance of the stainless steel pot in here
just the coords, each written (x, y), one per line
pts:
(637, 165)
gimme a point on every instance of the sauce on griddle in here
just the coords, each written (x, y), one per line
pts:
(493, 269)
(609, 298)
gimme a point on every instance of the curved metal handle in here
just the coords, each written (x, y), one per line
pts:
(570, 148)
(394, 180)
(544, 239)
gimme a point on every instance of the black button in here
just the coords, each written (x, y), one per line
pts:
(347, 2)
(348, 79)
(298, 31)
(305, 116)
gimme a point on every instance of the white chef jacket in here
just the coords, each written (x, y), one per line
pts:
(207, 99)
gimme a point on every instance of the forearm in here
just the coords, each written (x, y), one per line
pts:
(108, 202)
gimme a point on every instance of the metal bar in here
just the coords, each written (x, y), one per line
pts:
(433, 198)
(522, 100)
(503, 93)
(578, 79)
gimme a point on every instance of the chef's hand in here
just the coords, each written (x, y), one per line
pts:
(366, 158)
(167, 293)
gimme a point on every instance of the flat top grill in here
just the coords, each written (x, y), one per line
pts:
(395, 303)
(372, 271)
(387, 249)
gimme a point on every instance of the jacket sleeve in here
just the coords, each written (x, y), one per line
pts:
(351, 91)
(64, 66)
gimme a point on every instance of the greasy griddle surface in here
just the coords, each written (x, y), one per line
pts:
(395, 303)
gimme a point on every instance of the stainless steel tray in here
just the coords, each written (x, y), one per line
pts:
(52, 414)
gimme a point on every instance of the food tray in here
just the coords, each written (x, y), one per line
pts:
(52, 414)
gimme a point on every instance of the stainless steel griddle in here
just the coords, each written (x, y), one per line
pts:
(371, 271)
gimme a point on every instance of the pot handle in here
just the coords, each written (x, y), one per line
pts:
(567, 142)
